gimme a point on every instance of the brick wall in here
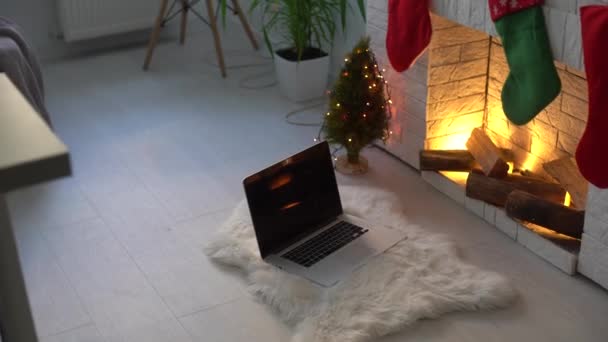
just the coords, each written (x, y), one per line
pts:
(457, 78)
(427, 109)
(409, 91)
(562, 17)
(593, 259)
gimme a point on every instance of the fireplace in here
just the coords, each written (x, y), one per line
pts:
(455, 88)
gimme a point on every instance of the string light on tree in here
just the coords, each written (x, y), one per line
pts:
(364, 95)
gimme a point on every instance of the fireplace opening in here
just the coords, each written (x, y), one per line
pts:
(524, 172)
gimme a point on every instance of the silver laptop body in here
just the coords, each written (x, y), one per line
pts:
(295, 205)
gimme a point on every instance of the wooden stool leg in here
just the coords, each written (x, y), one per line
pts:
(155, 33)
(184, 24)
(216, 37)
(239, 11)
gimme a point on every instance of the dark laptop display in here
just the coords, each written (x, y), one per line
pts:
(293, 198)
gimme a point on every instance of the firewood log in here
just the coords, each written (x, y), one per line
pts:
(495, 191)
(453, 160)
(527, 207)
(487, 154)
(566, 172)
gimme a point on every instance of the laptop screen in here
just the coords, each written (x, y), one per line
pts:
(293, 198)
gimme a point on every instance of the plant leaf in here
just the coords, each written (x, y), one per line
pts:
(302, 24)
(361, 4)
(223, 4)
(268, 43)
(343, 13)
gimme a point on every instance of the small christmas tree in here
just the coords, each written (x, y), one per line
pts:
(359, 109)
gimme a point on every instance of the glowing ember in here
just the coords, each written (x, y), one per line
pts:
(547, 233)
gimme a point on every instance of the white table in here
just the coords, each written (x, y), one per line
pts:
(30, 153)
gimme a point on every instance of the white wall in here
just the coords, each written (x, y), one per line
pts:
(345, 41)
(561, 16)
(38, 20)
(40, 23)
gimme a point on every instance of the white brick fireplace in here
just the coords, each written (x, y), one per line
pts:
(455, 87)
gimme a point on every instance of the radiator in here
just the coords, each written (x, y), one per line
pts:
(86, 19)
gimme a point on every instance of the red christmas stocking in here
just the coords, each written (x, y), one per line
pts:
(409, 31)
(591, 153)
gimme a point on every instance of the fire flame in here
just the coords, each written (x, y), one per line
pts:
(568, 199)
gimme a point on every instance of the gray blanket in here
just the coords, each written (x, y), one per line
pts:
(19, 62)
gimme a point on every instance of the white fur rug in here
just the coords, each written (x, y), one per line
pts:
(421, 277)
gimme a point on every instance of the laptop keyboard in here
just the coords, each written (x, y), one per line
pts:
(324, 244)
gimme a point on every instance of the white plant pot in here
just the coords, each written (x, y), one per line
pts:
(302, 81)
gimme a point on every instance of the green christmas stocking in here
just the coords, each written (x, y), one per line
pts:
(533, 82)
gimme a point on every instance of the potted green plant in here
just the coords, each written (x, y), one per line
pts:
(302, 68)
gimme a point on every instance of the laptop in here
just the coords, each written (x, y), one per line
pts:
(299, 222)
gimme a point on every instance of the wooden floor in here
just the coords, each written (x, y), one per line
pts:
(114, 253)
